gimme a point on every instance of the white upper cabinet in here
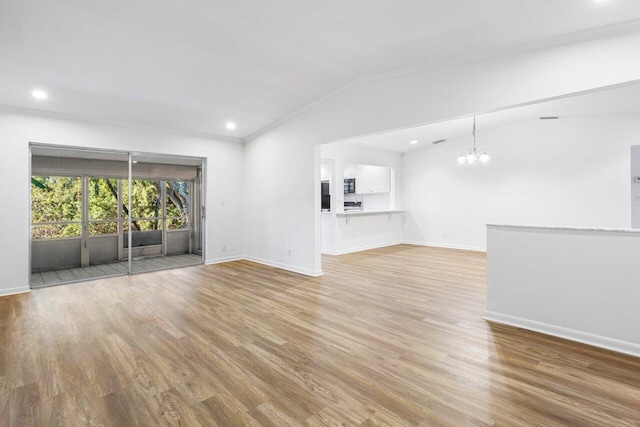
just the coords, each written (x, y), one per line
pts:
(325, 171)
(371, 179)
(349, 171)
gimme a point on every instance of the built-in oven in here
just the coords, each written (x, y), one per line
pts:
(349, 186)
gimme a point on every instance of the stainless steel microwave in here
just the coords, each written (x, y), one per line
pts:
(349, 186)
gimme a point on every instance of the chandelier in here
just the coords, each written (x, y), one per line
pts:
(473, 155)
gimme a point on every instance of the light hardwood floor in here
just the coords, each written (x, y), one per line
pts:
(392, 336)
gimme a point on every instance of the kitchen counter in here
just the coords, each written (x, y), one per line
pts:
(377, 212)
(354, 231)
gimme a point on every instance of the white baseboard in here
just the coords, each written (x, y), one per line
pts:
(14, 291)
(362, 248)
(224, 259)
(315, 273)
(305, 271)
(625, 347)
(445, 245)
(283, 266)
(329, 252)
(403, 242)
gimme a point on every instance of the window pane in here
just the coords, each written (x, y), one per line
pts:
(145, 198)
(178, 203)
(55, 231)
(55, 199)
(143, 225)
(177, 224)
(103, 228)
(103, 198)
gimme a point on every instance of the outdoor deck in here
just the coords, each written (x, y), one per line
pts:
(55, 277)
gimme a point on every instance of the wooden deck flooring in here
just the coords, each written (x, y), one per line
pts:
(63, 275)
(392, 336)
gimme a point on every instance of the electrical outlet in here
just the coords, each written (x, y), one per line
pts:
(222, 202)
(224, 248)
(637, 197)
(288, 252)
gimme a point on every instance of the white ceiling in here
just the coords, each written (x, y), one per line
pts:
(622, 101)
(193, 65)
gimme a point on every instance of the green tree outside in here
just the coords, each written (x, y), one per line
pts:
(59, 199)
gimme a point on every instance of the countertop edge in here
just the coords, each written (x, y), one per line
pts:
(356, 213)
(566, 228)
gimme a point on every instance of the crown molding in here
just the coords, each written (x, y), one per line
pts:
(353, 145)
(114, 123)
(609, 31)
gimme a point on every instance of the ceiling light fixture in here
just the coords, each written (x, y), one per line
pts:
(39, 94)
(472, 156)
(231, 125)
(549, 118)
(440, 141)
(415, 141)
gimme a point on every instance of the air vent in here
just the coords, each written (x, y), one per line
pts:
(440, 141)
(549, 118)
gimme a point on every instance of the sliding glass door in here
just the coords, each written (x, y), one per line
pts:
(56, 227)
(104, 213)
(105, 225)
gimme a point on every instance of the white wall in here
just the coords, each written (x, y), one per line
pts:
(572, 172)
(348, 234)
(224, 181)
(421, 96)
(577, 284)
(281, 201)
(635, 187)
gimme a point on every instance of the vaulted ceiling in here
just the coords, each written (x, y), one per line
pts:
(621, 101)
(194, 65)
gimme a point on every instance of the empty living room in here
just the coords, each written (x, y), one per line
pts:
(356, 213)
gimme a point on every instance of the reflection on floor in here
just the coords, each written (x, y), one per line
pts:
(54, 277)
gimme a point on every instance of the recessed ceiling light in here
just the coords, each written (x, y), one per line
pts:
(549, 118)
(39, 94)
(415, 141)
(439, 141)
(231, 125)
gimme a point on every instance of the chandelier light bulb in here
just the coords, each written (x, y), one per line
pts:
(472, 157)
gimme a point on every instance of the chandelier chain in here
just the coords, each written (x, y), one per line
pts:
(474, 131)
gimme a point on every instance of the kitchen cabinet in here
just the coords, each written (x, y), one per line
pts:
(349, 171)
(371, 179)
(325, 172)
